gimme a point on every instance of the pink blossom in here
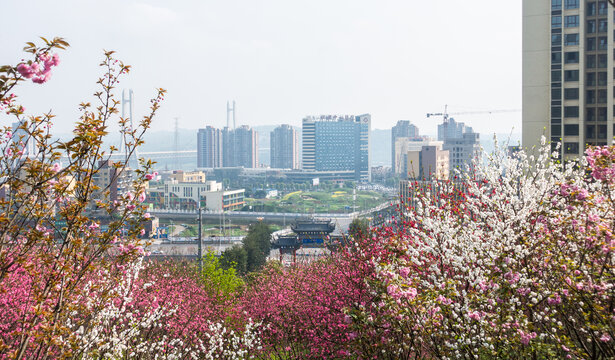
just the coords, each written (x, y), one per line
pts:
(25, 70)
(404, 272)
(605, 337)
(526, 337)
(147, 215)
(56, 167)
(142, 196)
(474, 315)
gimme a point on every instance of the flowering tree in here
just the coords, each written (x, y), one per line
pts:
(58, 268)
(514, 261)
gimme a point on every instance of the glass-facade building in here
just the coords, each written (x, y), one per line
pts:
(568, 73)
(337, 143)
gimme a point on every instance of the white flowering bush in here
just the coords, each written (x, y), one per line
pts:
(512, 261)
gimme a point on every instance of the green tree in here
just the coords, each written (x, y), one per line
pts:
(257, 245)
(222, 282)
(236, 258)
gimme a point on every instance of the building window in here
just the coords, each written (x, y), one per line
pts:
(556, 130)
(571, 130)
(556, 111)
(571, 111)
(602, 43)
(602, 114)
(556, 76)
(601, 96)
(569, 39)
(591, 9)
(556, 39)
(603, 25)
(602, 79)
(572, 4)
(572, 21)
(571, 75)
(601, 131)
(556, 94)
(591, 114)
(571, 94)
(556, 4)
(590, 44)
(602, 8)
(590, 97)
(590, 62)
(571, 148)
(571, 57)
(556, 57)
(590, 131)
(602, 59)
(590, 29)
(556, 22)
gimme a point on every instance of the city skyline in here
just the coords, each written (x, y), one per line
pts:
(353, 57)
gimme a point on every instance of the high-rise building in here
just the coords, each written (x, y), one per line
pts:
(403, 129)
(568, 73)
(284, 148)
(244, 147)
(27, 144)
(334, 143)
(227, 148)
(462, 143)
(209, 148)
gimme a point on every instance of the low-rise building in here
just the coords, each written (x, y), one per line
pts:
(209, 195)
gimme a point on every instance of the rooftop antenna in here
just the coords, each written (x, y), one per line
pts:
(128, 101)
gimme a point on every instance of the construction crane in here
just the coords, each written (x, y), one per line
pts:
(445, 115)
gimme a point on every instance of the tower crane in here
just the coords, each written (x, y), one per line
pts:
(445, 115)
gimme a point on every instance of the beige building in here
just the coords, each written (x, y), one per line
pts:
(403, 145)
(188, 176)
(431, 162)
(568, 73)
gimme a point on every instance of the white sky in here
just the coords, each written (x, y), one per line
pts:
(282, 59)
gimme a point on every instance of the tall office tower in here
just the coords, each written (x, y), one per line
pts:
(334, 143)
(462, 143)
(284, 148)
(568, 73)
(403, 129)
(209, 148)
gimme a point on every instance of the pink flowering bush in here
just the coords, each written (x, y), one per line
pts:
(58, 268)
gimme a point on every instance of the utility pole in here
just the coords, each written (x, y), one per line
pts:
(200, 240)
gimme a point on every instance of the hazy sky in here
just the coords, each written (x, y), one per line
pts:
(281, 60)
